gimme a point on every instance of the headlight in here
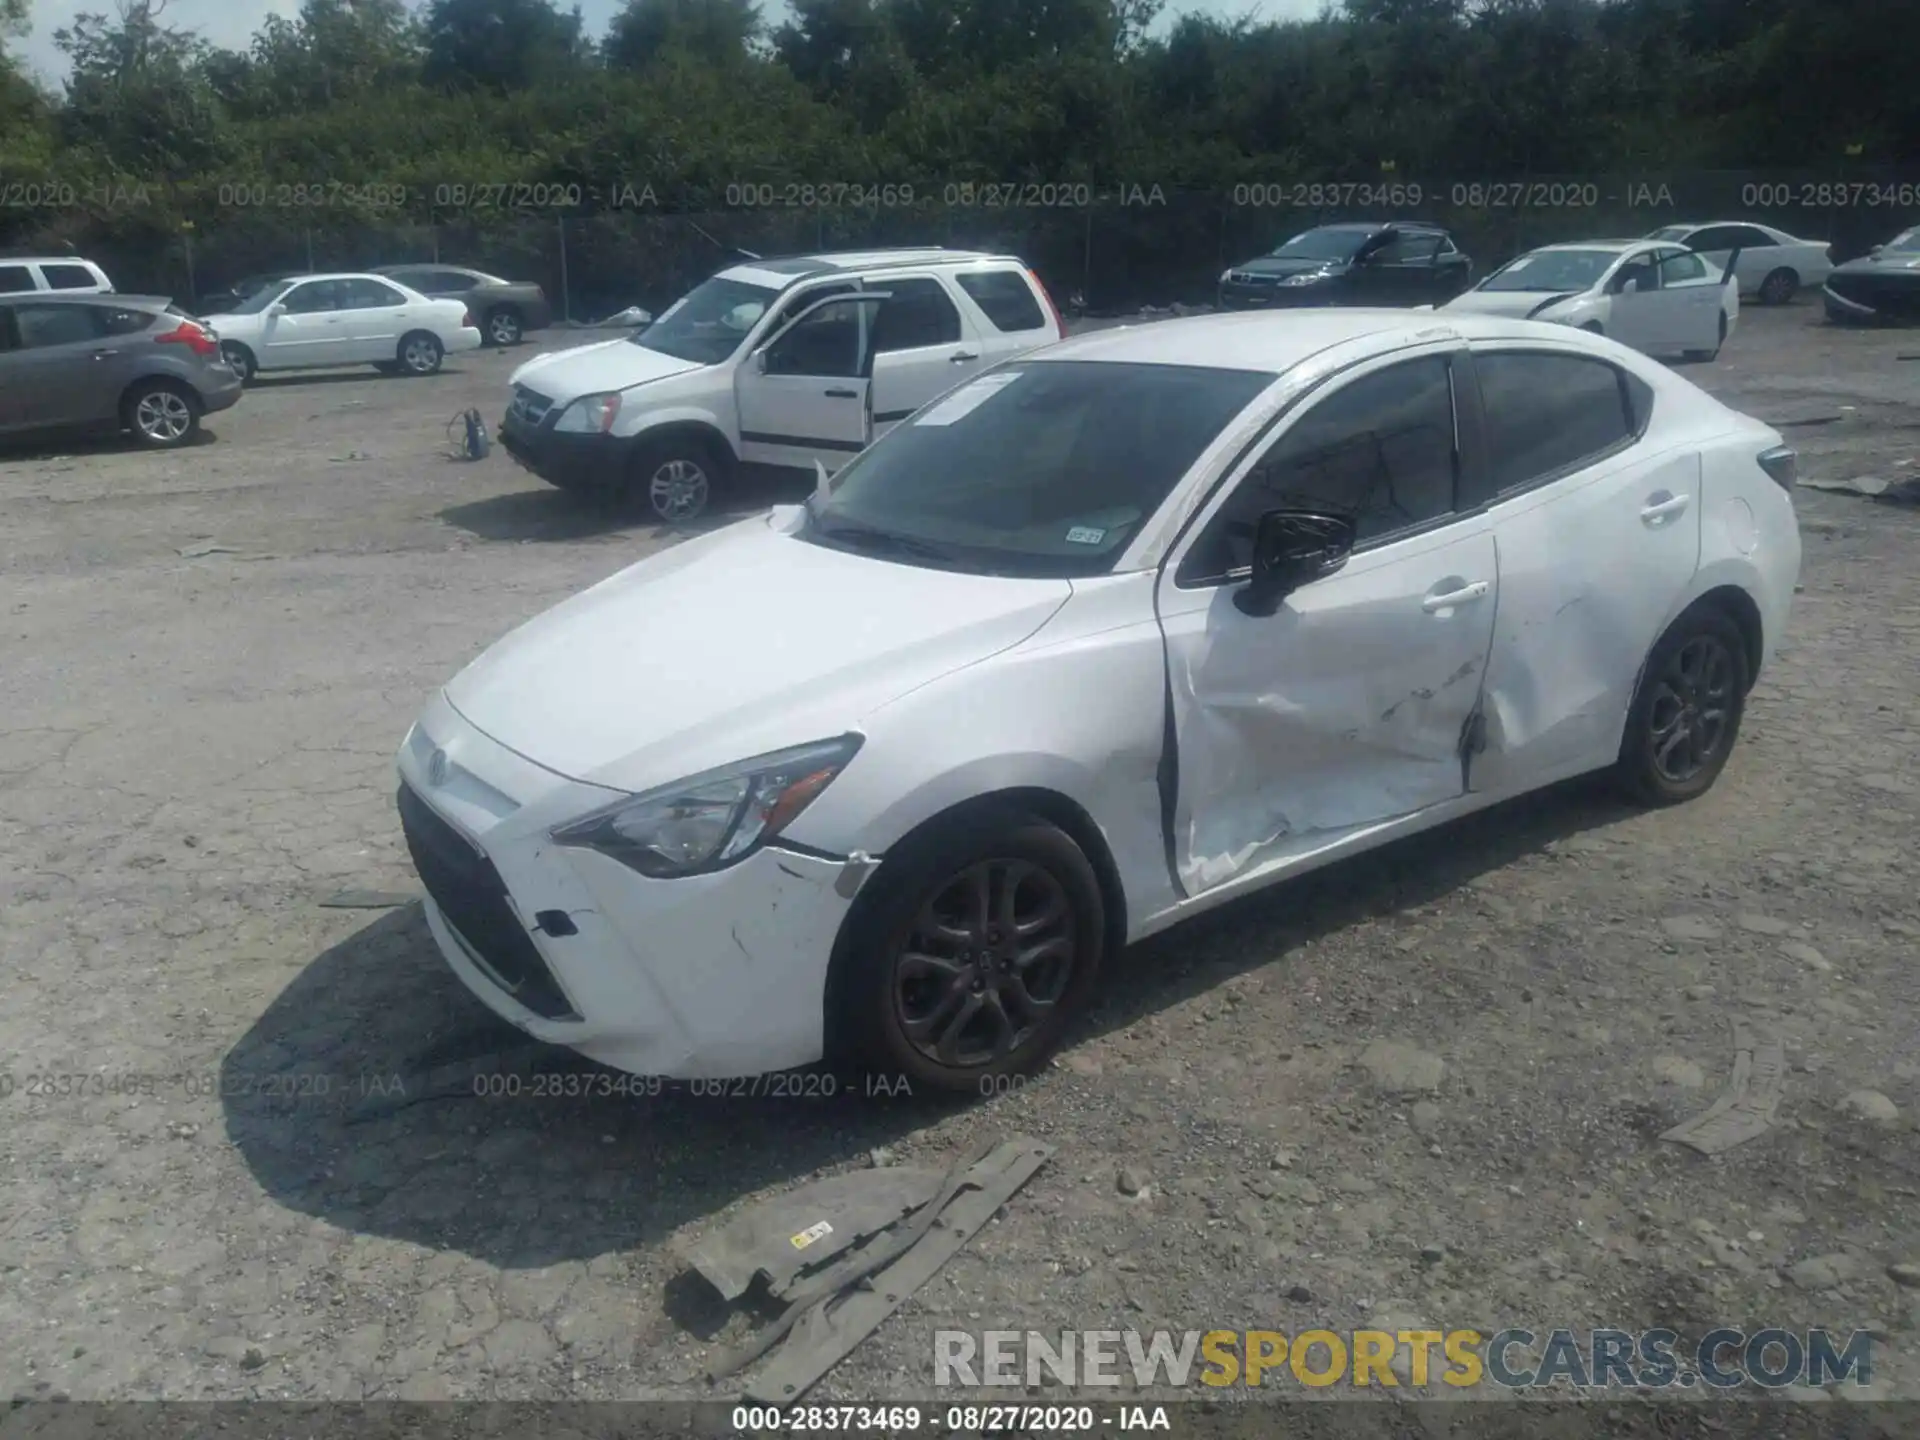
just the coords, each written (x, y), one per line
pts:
(590, 414)
(711, 821)
(1225, 275)
(1312, 279)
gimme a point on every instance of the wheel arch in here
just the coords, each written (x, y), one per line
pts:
(685, 426)
(1741, 608)
(1041, 802)
(158, 377)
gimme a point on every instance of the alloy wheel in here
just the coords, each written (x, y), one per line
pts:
(677, 490)
(503, 329)
(163, 416)
(985, 963)
(1692, 702)
(421, 355)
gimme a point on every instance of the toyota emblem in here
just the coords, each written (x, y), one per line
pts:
(437, 768)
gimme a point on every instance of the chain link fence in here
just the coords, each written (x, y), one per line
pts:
(1113, 249)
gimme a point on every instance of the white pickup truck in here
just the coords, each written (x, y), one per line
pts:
(783, 363)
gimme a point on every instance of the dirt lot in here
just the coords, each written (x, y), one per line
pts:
(210, 657)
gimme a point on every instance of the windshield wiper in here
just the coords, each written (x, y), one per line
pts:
(878, 542)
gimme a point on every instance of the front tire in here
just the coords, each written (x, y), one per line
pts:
(974, 951)
(420, 353)
(1779, 287)
(161, 415)
(1686, 710)
(675, 479)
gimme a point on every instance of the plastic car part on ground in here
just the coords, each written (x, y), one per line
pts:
(833, 1307)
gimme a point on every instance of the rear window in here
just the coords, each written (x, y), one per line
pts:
(68, 277)
(123, 320)
(16, 279)
(1005, 297)
(1548, 414)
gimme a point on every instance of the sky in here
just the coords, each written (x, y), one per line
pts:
(231, 23)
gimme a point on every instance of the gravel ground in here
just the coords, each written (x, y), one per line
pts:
(1425, 1085)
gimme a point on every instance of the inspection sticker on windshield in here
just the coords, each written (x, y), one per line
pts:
(967, 399)
(1085, 535)
(813, 1232)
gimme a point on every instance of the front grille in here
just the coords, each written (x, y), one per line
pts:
(1248, 277)
(1860, 289)
(473, 898)
(528, 405)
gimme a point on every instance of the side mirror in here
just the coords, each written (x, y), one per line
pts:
(1292, 548)
(276, 308)
(1874, 253)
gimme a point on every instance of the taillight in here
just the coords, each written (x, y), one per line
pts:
(1059, 327)
(1782, 464)
(466, 320)
(196, 338)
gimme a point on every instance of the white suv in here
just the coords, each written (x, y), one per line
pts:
(64, 275)
(783, 363)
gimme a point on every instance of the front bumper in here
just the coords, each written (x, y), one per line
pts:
(573, 462)
(1872, 302)
(712, 976)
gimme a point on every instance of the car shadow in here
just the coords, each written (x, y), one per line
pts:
(83, 443)
(550, 514)
(377, 1094)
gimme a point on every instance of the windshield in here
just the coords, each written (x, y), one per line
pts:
(259, 299)
(1324, 245)
(1670, 232)
(1035, 469)
(1907, 242)
(707, 324)
(1552, 271)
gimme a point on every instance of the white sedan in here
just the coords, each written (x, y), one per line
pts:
(312, 321)
(1105, 637)
(1772, 264)
(1654, 296)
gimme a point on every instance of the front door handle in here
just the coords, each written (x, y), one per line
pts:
(843, 394)
(1465, 595)
(962, 357)
(1661, 508)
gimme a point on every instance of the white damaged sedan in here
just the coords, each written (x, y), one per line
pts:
(1105, 637)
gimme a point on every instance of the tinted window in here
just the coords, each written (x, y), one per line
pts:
(919, 314)
(313, 297)
(42, 325)
(421, 280)
(1749, 238)
(1032, 469)
(1683, 268)
(1330, 243)
(68, 277)
(128, 322)
(825, 342)
(16, 278)
(1547, 414)
(1005, 298)
(1380, 449)
(453, 280)
(368, 295)
(1409, 249)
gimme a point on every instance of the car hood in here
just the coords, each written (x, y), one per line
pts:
(592, 369)
(1288, 265)
(1514, 304)
(729, 646)
(1903, 265)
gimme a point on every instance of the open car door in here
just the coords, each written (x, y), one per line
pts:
(805, 397)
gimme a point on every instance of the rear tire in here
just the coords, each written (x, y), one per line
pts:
(161, 414)
(240, 360)
(1779, 287)
(1686, 710)
(970, 954)
(675, 478)
(420, 353)
(503, 328)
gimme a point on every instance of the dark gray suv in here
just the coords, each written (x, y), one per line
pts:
(136, 362)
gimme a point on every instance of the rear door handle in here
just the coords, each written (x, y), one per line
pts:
(844, 394)
(962, 357)
(1465, 595)
(1658, 511)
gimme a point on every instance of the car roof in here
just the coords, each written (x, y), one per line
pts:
(1276, 341)
(31, 257)
(1618, 247)
(788, 268)
(84, 297)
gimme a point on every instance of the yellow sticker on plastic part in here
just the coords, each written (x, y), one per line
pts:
(812, 1233)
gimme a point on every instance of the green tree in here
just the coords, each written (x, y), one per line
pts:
(501, 44)
(715, 32)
